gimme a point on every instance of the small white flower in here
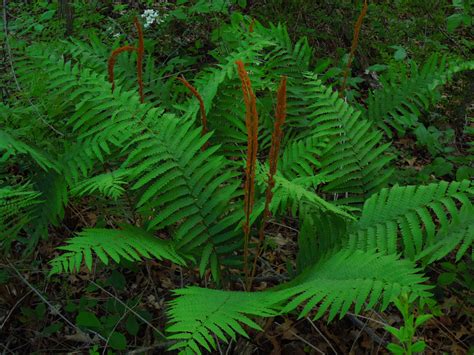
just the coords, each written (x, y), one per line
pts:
(152, 16)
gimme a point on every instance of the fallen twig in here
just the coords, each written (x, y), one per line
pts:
(54, 310)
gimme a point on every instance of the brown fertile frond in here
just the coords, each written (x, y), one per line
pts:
(113, 59)
(251, 25)
(251, 122)
(201, 105)
(140, 52)
(277, 135)
(355, 42)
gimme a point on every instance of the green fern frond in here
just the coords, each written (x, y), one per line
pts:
(129, 243)
(354, 162)
(412, 212)
(54, 195)
(180, 185)
(300, 158)
(319, 234)
(399, 102)
(298, 196)
(10, 146)
(100, 120)
(107, 184)
(358, 278)
(336, 283)
(458, 233)
(198, 313)
(17, 207)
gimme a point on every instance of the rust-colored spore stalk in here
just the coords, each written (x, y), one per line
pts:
(251, 123)
(112, 60)
(140, 52)
(355, 42)
(201, 106)
(277, 136)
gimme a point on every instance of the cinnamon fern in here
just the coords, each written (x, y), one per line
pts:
(185, 180)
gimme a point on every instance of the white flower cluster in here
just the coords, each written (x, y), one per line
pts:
(152, 16)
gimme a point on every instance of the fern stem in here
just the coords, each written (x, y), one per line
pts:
(201, 107)
(251, 123)
(355, 42)
(273, 162)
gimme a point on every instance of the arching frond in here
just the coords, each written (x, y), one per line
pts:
(458, 233)
(196, 314)
(180, 185)
(107, 184)
(129, 243)
(17, 207)
(411, 213)
(335, 284)
(354, 162)
(10, 146)
(403, 96)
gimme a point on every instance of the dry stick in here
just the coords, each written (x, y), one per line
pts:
(273, 162)
(54, 310)
(155, 346)
(201, 107)
(355, 41)
(140, 52)
(321, 333)
(251, 123)
(364, 328)
(13, 308)
(113, 59)
(304, 340)
(129, 309)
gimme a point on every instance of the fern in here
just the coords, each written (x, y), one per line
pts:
(361, 278)
(162, 155)
(300, 158)
(173, 176)
(319, 234)
(399, 102)
(198, 313)
(332, 177)
(17, 207)
(107, 184)
(410, 211)
(354, 161)
(336, 283)
(130, 243)
(296, 195)
(458, 233)
(10, 146)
